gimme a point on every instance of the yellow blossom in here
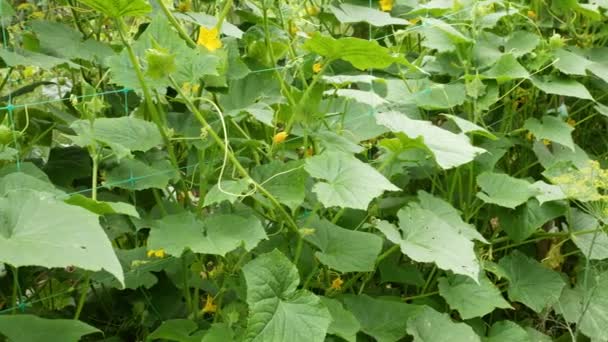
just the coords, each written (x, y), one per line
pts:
(387, 5)
(293, 28)
(158, 253)
(184, 6)
(37, 15)
(414, 21)
(279, 137)
(209, 307)
(307, 231)
(312, 10)
(310, 152)
(26, 7)
(316, 68)
(531, 14)
(571, 122)
(209, 38)
(530, 136)
(546, 142)
(336, 284)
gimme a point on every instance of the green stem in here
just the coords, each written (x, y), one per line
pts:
(421, 295)
(241, 170)
(180, 30)
(94, 173)
(148, 95)
(186, 281)
(83, 295)
(16, 299)
(223, 14)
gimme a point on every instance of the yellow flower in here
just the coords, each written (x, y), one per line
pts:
(293, 28)
(546, 142)
(414, 21)
(26, 7)
(336, 284)
(279, 137)
(386, 5)
(307, 231)
(530, 136)
(531, 14)
(37, 15)
(158, 253)
(209, 307)
(571, 122)
(209, 38)
(316, 68)
(184, 6)
(310, 152)
(312, 10)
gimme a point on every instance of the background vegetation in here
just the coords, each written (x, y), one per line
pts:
(315, 170)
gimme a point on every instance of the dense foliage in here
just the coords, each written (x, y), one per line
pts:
(259, 170)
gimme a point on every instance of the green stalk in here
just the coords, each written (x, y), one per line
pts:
(16, 299)
(237, 165)
(83, 295)
(148, 96)
(223, 14)
(180, 30)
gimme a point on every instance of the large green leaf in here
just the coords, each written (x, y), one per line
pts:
(342, 249)
(344, 323)
(562, 86)
(507, 331)
(184, 330)
(347, 13)
(286, 181)
(469, 298)
(30, 328)
(506, 68)
(448, 213)
(102, 208)
(433, 326)
(215, 234)
(62, 41)
(551, 128)
(440, 96)
(29, 58)
(587, 305)
(119, 8)
(38, 230)
(450, 149)
(138, 268)
(277, 311)
(521, 43)
(441, 36)
(134, 174)
(362, 54)
(18, 181)
(529, 217)
(593, 245)
(571, 63)
(425, 237)
(348, 182)
(385, 320)
(122, 134)
(530, 282)
(504, 190)
(230, 191)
